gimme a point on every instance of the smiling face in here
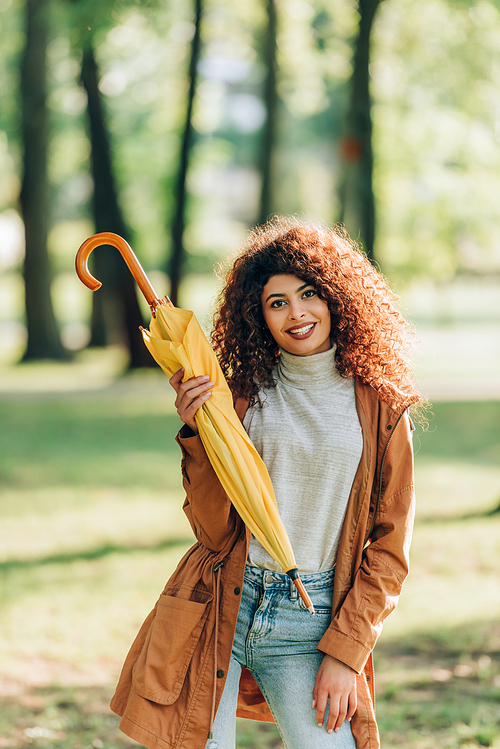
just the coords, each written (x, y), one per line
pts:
(299, 321)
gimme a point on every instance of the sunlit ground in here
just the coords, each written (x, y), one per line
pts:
(92, 527)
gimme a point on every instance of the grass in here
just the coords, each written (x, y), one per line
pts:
(440, 689)
(92, 527)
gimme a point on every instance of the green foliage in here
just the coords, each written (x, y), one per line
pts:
(434, 86)
(463, 432)
(11, 35)
(434, 71)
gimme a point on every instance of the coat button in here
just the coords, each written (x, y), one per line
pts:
(220, 673)
(368, 677)
(389, 427)
(237, 591)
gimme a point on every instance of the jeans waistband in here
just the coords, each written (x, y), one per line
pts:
(272, 579)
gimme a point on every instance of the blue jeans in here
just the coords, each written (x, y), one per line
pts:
(276, 639)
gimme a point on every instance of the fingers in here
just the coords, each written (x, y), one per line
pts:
(187, 414)
(337, 713)
(320, 700)
(335, 684)
(182, 388)
(191, 390)
(191, 395)
(176, 378)
(320, 704)
(341, 707)
(337, 710)
(320, 696)
(353, 704)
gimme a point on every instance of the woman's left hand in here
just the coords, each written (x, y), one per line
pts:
(335, 682)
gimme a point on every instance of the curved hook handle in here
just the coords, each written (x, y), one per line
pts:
(107, 237)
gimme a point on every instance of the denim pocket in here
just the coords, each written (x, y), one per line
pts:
(321, 599)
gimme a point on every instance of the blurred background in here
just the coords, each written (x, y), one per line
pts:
(179, 125)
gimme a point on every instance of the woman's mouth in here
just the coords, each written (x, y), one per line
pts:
(302, 331)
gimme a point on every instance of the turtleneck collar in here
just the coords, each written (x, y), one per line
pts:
(314, 372)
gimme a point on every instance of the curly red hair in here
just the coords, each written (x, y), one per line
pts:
(371, 335)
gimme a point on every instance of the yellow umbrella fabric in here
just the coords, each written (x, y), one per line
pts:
(175, 339)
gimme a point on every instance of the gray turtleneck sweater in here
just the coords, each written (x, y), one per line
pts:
(309, 436)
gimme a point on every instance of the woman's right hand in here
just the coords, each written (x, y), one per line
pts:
(191, 395)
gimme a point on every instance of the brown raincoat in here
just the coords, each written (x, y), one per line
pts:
(166, 693)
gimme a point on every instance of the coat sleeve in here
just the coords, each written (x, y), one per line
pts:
(212, 516)
(377, 583)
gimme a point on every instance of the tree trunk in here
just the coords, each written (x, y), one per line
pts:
(270, 101)
(176, 263)
(43, 336)
(358, 203)
(116, 312)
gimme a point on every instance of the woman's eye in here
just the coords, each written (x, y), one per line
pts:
(277, 303)
(309, 293)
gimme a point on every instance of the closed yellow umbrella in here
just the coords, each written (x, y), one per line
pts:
(175, 339)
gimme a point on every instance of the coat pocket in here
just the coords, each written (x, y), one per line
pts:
(162, 665)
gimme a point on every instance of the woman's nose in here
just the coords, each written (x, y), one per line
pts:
(296, 311)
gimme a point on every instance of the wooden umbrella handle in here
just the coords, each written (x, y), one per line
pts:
(293, 574)
(107, 237)
(304, 595)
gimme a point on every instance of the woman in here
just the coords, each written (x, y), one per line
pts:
(314, 350)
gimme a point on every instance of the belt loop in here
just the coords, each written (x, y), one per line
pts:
(293, 591)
